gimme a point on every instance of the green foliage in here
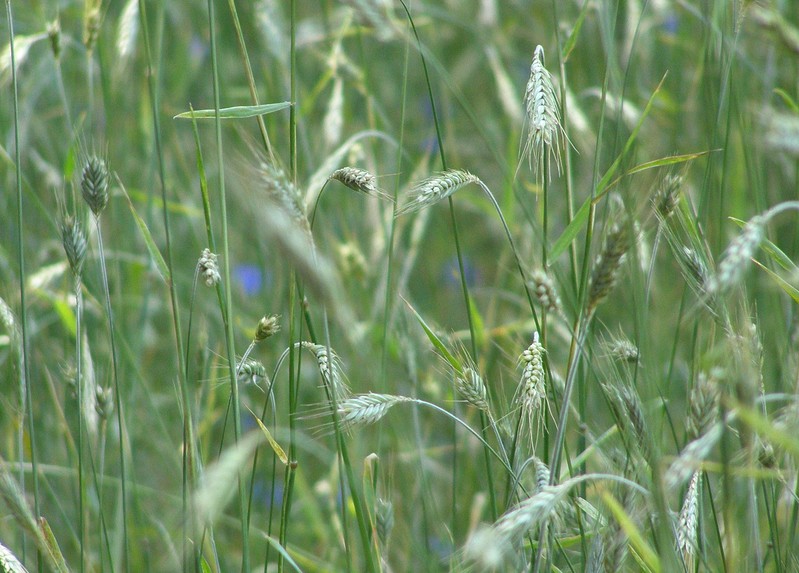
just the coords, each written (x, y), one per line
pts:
(133, 439)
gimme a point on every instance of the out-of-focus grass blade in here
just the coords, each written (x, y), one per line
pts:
(148, 239)
(604, 184)
(578, 24)
(53, 550)
(436, 341)
(279, 452)
(787, 99)
(671, 160)
(647, 555)
(236, 112)
(789, 289)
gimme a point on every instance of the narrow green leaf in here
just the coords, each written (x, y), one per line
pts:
(776, 254)
(478, 323)
(282, 550)
(53, 550)
(787, 99)
(789, 289)
(572, 40)
(436, 341)
(642, 548)
(237, 112)
(148, 239)
(279, 452)
(603, 186)
(671, 160)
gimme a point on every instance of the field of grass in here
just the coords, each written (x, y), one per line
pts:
(399, 285)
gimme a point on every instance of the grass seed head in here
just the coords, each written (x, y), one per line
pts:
(366, 409)
(94, 184)
(545, 291)
(703, 403)
(687, 522)
(435, 188)
(542, 117)
(667, 197)
(472, 389)
(738, 254)
(267, 326)
(359, 180)
(330, 370)
(74, 242)
(208, 268)
(251, 372)
(608, 263)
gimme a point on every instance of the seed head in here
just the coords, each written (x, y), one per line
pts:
(74, 242)
(435, 188)
(606, 267)
(359, 180)
(667, 197)
(545, 291)
(687, 523)
(208, 268)
(104, 401)
(544, 130)
(471, 388)
(267, 326)
(738, 254)
(703, 403)
(251, 372)
(366, 409)
(384, 520)
(94, 184)
(330, 369)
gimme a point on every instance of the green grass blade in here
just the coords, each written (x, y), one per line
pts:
(236, 112)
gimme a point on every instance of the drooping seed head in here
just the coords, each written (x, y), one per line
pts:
(251, 372)
(94, 184)
(366, 409)
(330, 369)
(435, 188)
(471, 388)
(359, 180)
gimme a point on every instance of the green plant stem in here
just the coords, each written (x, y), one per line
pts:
(228, 289)
(23, 278)
(117, 394)
(152, 83)
(82, 522)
